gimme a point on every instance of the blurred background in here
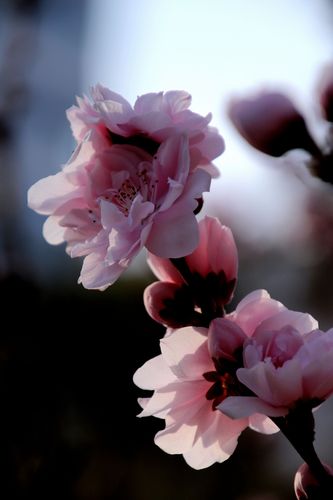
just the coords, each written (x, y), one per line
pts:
(68, 426)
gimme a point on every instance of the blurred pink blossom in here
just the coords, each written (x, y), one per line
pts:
(212, 272)
(190, 378)
(135, 179)
(274, 124)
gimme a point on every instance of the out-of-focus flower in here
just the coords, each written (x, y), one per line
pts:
(271, 123)
(287, 362)
(135, 179)
(306, 486)
(208, 280)
(192, 376)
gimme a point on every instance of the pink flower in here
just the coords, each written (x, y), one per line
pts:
(134, 180)
(208, 279)
(287, 360)
(189, 385)
(307, 487)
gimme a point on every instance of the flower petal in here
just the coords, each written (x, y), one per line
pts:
(245, 406)
(154, 374)
(263, 424)
(186, 352)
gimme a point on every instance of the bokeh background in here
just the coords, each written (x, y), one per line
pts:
(68, 426)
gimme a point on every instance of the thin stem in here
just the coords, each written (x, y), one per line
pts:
(298, 428)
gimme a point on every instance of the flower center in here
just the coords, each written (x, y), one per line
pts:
(125, 195)
(222, 387)
(141, 141)
(143, 182)
(224, 380)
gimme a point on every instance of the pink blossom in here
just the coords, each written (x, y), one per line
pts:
(189, 385)
(209, 275)
(286, 360)
(134, 180)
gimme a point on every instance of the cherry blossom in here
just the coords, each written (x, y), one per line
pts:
(135, 179)
(190, 379)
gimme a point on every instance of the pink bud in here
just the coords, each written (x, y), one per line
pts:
(271, 123)
(306, 486)
(169, 304)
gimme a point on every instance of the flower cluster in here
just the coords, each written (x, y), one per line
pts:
(136, 180)
(211, 382)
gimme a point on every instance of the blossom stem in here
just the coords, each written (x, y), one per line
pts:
(298, 428)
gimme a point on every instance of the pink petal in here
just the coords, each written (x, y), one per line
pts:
(177, 438)
(276, 386)
(163, 269)
(158, 405)
(175, 101)
(155, 297)
(253, 309)
(154, 374)
(216, 250)
(172, 169)
(139, 211)
(111, 216)
(174, 233)
(206, 449)
(224, 338)
(100, 93)
(52, 231)
(97, 275)
(189, 400)
(148, 103)
(302, 322)
(230, 430)
(46, 195)
(150, 123)
(244, 406)
(186, 352)
(211, 146)
(263, 424)
(216, 440)
(318, 376)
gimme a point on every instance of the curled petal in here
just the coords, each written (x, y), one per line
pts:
(170, 304)
(224, 339)
(254, 309)
(276, 386)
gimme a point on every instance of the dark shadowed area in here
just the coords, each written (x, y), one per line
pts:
(68, 406)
